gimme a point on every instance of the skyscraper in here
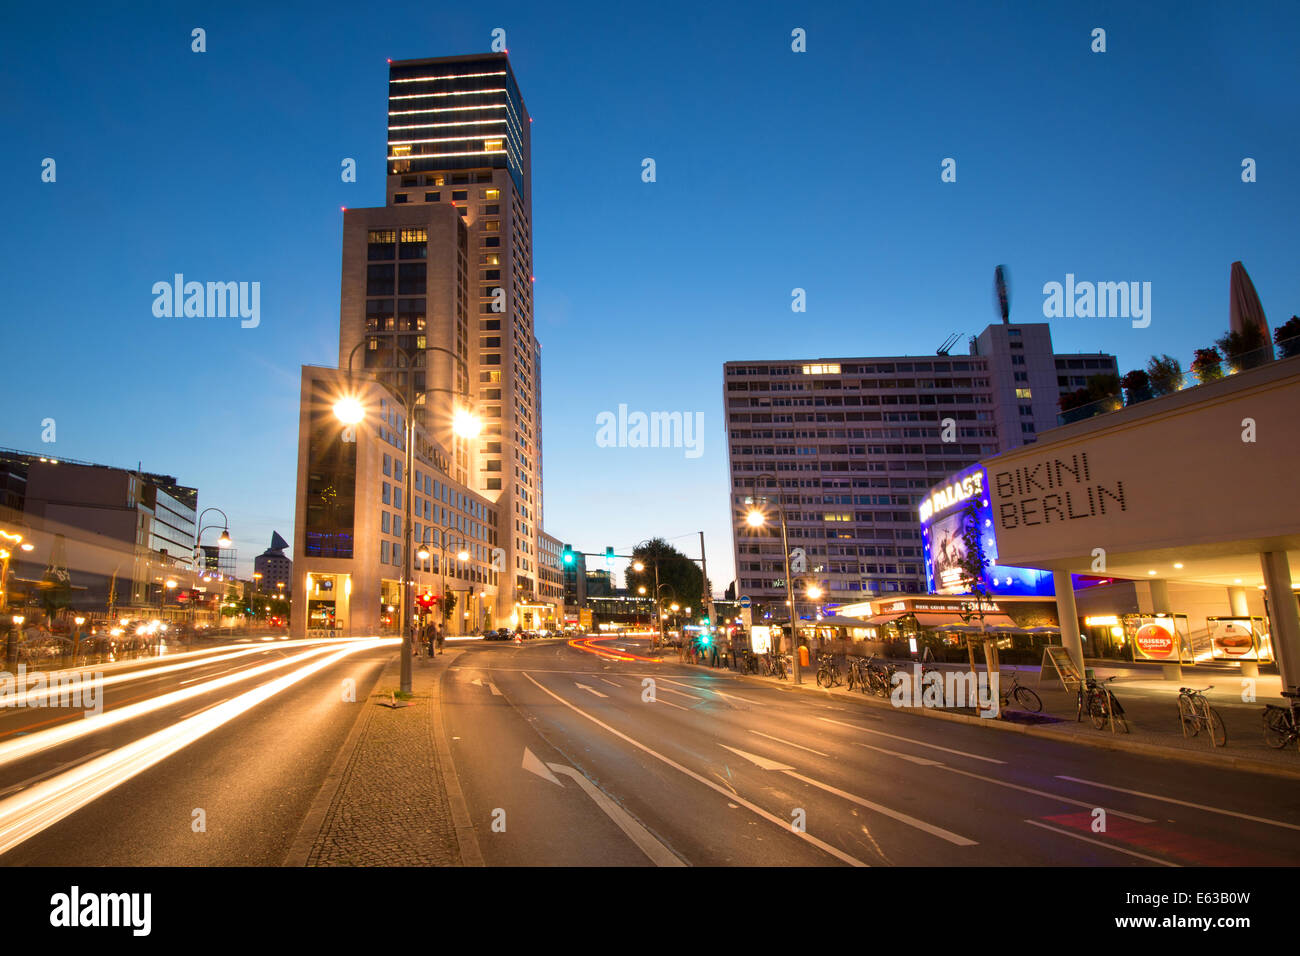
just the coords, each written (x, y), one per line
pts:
(437, 286)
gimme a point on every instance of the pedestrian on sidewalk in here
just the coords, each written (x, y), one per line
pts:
(438, 636)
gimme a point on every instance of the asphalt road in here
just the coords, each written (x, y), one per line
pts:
(126, 793)
(568, 758)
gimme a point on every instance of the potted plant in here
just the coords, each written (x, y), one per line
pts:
(1207, 365)
(1245, 349)
(1287, 337)
(1164, 374)
(1137, 386)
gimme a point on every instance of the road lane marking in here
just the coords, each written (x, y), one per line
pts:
(669, 690)
(659, 854)
(716, 788)
(911, 821)
(923, 761)
(612, 683)
(919, 743)
(1182, 803)
(479, 682)
(592, 690)
(1043, 793)
(789, 743)
(1107, 846)
(710, 690)
(657, 700)
(533, 764)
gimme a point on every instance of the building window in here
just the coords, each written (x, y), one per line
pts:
(398, 197)
(388, 468)
(383, 552)
(1023, 393)
(491, 241)
(432, 197)
(386, 494)
(384, 522)
(459, 195)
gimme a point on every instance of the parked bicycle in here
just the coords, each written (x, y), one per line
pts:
(1100, 704)
(1282, 721)
(879, 677)
(1024, 696)
(857, 678)
(1196, 714)
(828, 673)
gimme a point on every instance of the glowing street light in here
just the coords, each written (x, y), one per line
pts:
(349, 410)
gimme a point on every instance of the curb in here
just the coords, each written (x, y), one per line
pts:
(1109, 742)
(466, 835)
(300, 849)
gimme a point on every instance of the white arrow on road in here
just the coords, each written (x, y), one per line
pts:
(645, 841)
(478, 682)
(592, 689)
(911, 821)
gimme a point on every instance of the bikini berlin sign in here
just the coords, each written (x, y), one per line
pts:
(1058, 490)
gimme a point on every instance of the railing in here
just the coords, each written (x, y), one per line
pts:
(1232, 364)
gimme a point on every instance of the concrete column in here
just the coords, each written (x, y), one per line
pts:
(1239, 608)
(1160, 602)
(1284, 618)
(1068, 615)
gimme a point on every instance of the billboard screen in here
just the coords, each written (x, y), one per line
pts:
(943, 519)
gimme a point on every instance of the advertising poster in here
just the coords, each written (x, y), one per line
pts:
(1156, 639)
(760, 638)
(1232, 638)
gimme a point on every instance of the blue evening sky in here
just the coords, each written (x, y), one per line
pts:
(776, 170)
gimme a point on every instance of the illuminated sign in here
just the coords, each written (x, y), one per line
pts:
(945, 524)
(1101, 620)
(942, 499)
(1156, 639)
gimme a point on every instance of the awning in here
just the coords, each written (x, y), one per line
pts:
(884, 618)
(928, 619)
(840, 620)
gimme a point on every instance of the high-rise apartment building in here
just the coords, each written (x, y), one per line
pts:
(437, 297)
(857, 442)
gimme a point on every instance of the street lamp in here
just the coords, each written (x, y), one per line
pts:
(222, 542)
(658, 637)
(465, 424)
(756, 519)
(424, 554)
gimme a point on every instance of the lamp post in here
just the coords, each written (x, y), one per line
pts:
(658, 637)
(350, 411)
(222, 542)
(424, 554)
(756, 519)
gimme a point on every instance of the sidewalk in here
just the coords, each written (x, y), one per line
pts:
(1150, 704)
(392, 797)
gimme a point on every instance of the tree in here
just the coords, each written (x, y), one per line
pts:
(1287, 337)
(974, 563)
(730, 593)
(1137, 386)
(1244, 349)
(448, 606)
(682, 575)
(1207, 365)
(1165, 374)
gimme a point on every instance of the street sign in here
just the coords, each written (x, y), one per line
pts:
(745, 602)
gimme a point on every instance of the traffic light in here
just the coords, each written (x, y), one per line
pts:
(705, 638)
(609, 557)
(568, 557)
